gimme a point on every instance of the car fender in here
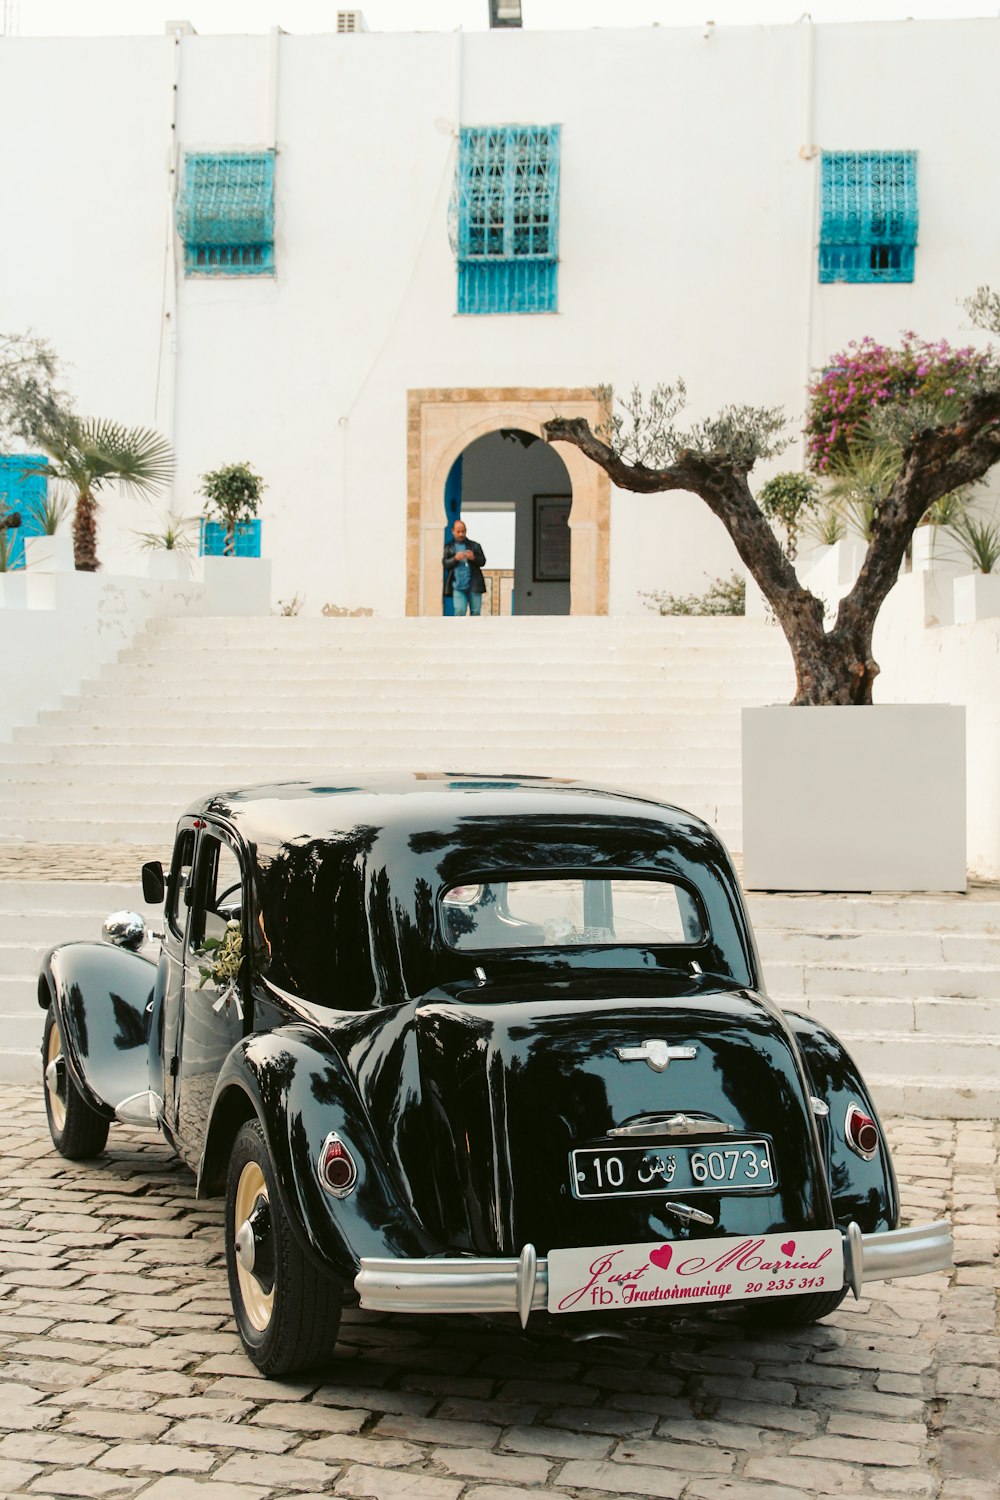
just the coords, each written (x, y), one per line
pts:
(864, 1191)
(296, 1084)
(103, 999)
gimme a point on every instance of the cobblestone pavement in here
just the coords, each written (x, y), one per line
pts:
(121, 1373)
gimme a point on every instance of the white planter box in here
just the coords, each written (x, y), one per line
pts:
(49, 554)
(977, 597)
(169, 563)
(934, 550)
(237, 585)
(854, 799)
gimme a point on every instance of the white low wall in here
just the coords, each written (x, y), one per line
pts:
(68, 626)
(942, 663)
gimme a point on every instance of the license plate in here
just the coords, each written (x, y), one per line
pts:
(641, 1171)
(600, 1278)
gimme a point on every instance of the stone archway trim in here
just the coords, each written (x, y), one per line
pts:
(441, 423)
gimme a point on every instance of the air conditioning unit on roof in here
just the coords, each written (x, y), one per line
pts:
(349, 21)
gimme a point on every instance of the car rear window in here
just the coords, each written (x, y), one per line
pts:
(570, 911)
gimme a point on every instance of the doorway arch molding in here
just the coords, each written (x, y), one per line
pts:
(441, 423)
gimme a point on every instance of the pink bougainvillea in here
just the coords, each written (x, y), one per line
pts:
(867, 374)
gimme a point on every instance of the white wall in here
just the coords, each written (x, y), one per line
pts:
(687, 244)
(950, 664)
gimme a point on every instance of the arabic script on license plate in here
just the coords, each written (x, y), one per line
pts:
(667, 1273)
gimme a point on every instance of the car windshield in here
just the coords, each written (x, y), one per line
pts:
(570, 911)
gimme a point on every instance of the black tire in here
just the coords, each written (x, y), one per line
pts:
(288, 1316)
(793, 1312)
(77, 1130)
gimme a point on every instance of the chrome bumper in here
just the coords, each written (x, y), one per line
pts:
(466, 1285)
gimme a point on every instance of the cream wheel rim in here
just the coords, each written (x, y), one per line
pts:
(57, 1104)
(257, 1304)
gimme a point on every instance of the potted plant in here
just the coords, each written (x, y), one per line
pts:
(977, 594)
(170, 548)
(237, 584)
(232, 500)
(937, 411)
(49, 548)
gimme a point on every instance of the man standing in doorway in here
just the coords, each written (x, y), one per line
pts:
(464, 561)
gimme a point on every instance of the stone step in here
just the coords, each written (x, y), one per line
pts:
(692, 632)
(958, 981)
(979, 911)
(934, 1097)
(932, 1056)
(922, 1018)
(74, 897)
(342, 731)
(820, 949)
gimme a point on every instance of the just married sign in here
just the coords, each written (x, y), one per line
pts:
(722, 1270)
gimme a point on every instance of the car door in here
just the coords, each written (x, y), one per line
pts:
(213, 995)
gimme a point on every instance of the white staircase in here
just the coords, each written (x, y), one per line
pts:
(912, 985)
(194, 705)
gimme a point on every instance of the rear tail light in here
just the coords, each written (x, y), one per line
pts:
(862, 1132)
(337, 1171)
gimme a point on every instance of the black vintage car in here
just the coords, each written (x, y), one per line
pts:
(475, 1045)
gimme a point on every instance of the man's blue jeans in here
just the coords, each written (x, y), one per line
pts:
(466, 602)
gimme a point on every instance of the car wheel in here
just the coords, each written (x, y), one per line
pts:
(287, 1310)
(793, 1312)
(77, 1130)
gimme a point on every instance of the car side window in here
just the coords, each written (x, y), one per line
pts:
(179, 890)
(219, 900)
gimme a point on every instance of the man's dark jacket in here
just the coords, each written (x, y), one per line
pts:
(477, 584)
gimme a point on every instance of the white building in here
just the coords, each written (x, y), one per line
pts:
(681, 197)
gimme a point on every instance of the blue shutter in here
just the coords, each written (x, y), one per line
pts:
(225, 214)
(507, 218)
(24, 493)
(869, 216)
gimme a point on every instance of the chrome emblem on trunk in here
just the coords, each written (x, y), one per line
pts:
(656, 1053)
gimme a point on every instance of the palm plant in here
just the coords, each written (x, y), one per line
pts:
(174, 535)
(51, 509)
(88, 454)
(860, 482)
(979, 540)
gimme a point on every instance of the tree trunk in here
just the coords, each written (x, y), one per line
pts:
(834, 666)
(229, 545)
(85, 533)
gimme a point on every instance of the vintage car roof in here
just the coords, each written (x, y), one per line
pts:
(348, 872)
(313, 808)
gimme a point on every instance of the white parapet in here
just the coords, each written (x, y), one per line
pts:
(69, 625)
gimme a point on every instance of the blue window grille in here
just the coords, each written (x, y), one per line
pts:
(505, 218)
(212, 540)
(225, 213)
(869, 224)
(26, 494)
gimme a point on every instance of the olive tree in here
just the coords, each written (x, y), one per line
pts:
(938, 408)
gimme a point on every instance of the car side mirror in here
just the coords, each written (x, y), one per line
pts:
(125, 929)
(153, 884)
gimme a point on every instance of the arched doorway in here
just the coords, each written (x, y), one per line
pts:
(514, 494)
(442, 424)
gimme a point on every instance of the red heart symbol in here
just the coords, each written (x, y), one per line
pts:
(788, 1248)
(661, 1256)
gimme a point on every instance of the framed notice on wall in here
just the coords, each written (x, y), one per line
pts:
(551, 552)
